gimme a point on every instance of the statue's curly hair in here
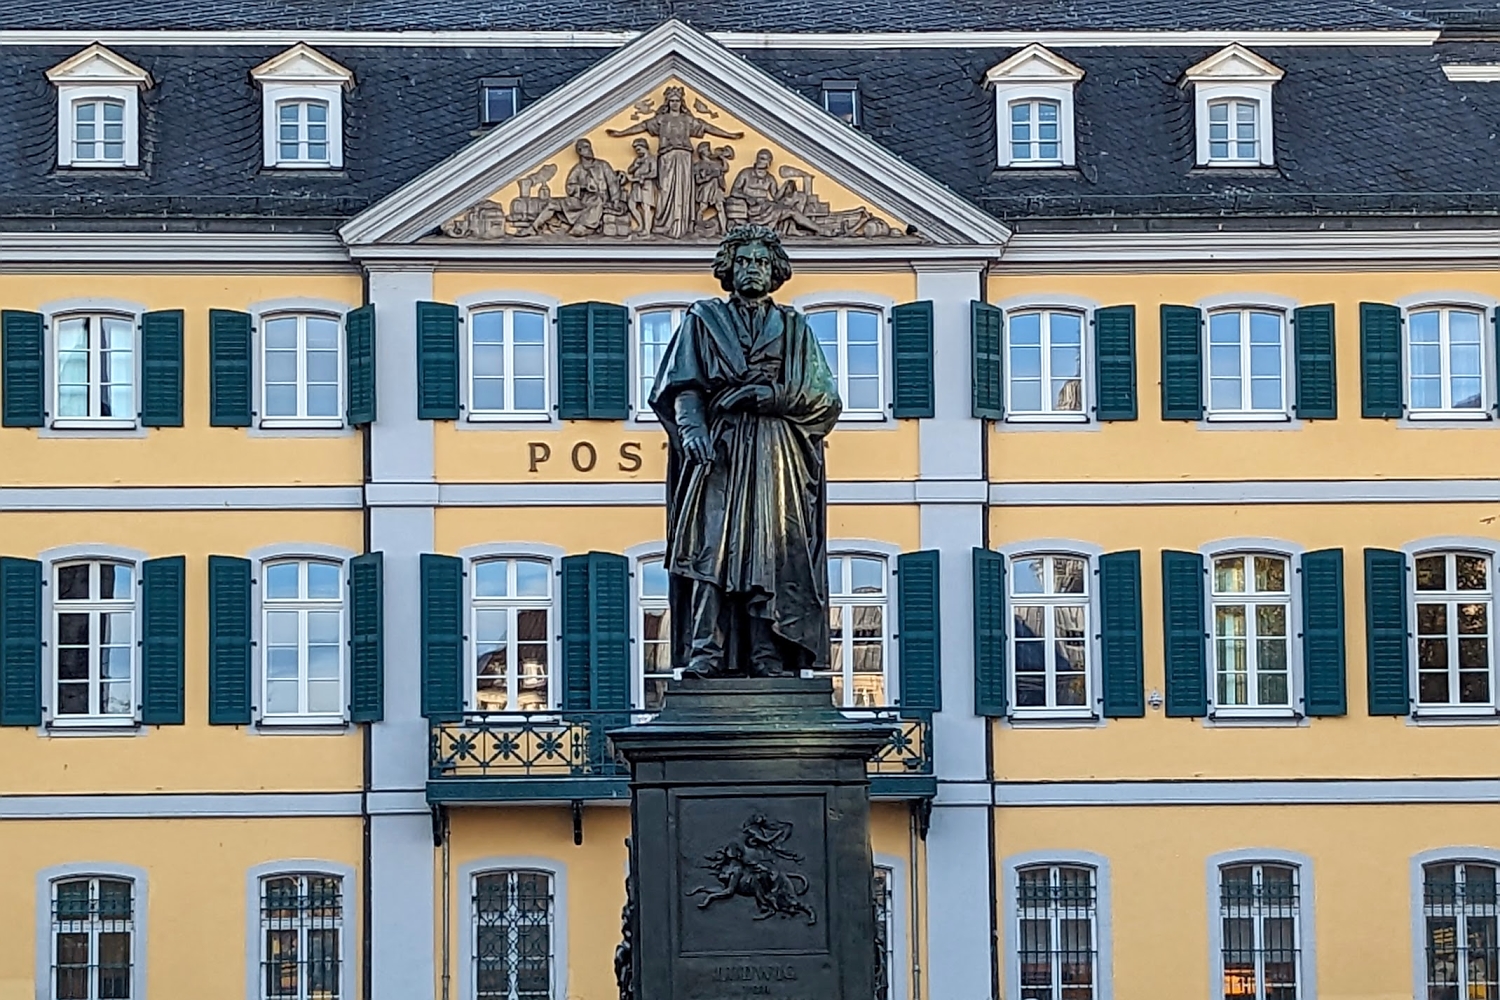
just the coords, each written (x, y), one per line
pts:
(781, 264)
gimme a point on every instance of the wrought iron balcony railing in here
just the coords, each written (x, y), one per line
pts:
(565, 755)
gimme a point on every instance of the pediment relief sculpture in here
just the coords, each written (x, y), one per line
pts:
(676, 186)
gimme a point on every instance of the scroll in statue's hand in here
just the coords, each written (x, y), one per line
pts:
(749, 399)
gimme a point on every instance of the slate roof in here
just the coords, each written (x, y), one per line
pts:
(1368, 132)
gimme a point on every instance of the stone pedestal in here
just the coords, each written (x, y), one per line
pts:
(750, 852)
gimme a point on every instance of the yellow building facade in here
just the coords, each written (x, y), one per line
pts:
(332, 542)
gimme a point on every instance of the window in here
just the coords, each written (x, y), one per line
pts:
(1232, 108)
(499, 99)
(1045, 363)
(513, 946)
(98, 132)
(1446, 361)
(1458, 928)
(302, 108)
(841, 99)
(1246, 361)
(1233, 135)
(851, 343)
(95, 358)
(93, 939)
(301, 929)
(1056, 940)
(655, 633)
(1259, 916)
(1034, 133)
(508, 364)
(302, 133)
(301, 371)
(303, 604)
(512, 635)
(653, 331)
(1049, 634)
(1454, 596)
(1251, 610)
(857, 596)
(94, 628)
(885, 930)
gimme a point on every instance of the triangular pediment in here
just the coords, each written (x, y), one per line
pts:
(1034, 64)
(1234, 64)
(97, 64)
(670, 140)
(302, 64)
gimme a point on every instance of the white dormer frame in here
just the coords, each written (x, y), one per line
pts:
(1234, 73)
(97, 74)
(1034, 73)
(302, 73)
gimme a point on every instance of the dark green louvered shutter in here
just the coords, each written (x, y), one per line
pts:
(1121, 654)
(163, 589)
(987, 338)
(917, 631)
(913, 395)
(1380, 360)
(161, 369)
(21, 382)
(442, 637)
(1317, 372)
(20, 642)
(990, 638)
(1182, 615)
(437, 361)
(609, 613)
(1181, 363)
(1323, 687)
(593, 361)
(228, 641)
(367, 637)
(577, 688)
(359, 364)
(1386, 650)
(1114, 362)
(229, 380)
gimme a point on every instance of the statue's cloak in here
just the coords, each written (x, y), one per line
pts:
(753, 522)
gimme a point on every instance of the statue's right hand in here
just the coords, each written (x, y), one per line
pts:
(696, 444)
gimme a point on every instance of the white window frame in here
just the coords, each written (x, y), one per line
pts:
(1301, 914)
(1243, 413)
(302, 73)
(1085, 388)
(302, 606)
(95, 384)
(549, 374)
(511, 605)
(1291, 600)
(1087, 600)
(489, 83)
(886, 601)
(302, 926)
(1414, 597)
(99, 103)
(255, 939)
(304, 141)
(639, 605)
(640, 408)
(1034, 74)
(1011, 915)
(301, 420)
(1232, 140)
(46, 944)
(1487, 361)
(1033, 123)
(1234, 73)
(850, 87)
(97, 74)
(92, 607)
(883, 347)
(1456, 855)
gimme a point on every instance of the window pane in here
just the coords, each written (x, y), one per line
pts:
(1026, 575)
(1270, 575)
(491, 578)
(1432, 572)
(282, 580)
(323, 581)
(532, 578)
(1229, 575)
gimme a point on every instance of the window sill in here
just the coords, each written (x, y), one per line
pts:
(91, 424)
(862, 416)
(506, 418)
(1248, 717)
(98, 165)
(301, 165)
(1053, 719)
(1257, 417)
(302, 424)
(1046, 418)
(92, 726)
(1476, 415)
(302, 723)
(1255, 165)
(1036, 165)
(1479, 715)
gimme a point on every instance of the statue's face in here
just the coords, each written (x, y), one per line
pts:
(584, 149)
(752, 270)
(763, 160)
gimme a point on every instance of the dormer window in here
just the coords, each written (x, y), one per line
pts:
(841, 99)
(98, 109)
(1232, 103)
(1034, 108)
(499, 99)
(302, 109)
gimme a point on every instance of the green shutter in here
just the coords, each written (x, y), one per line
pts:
(609, 614)
(1386, 648)
(1114, 362)
(912, 393)
(917, 636)
(367, 637)
(987, 337)
(21, 352)
(577, 687)
(442, 637)
(229, 354)
(437, 361)
(163, 589)
(1380, 360)
(573, 363)
(1121, 654)
(161, 369)
(228, 641)
(359, 364)
(1181, 363)
(1317, 370)
(1182, 614)
(20, 642)
(990, 639)
(1323, 633)
(593, 361)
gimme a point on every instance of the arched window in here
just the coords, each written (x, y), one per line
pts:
(94, 626)
(1035, 136)
(301, 936)
(653, 330)
(1050, 634)
(95, 368)
(1455, 649)
(1246, 362)
(1045, 362)
(303, 637)
(98, 132)
(1057, 951)
(1233, 131)
(1445, 358)
(300, 368)
(1252, 609)
(512, 635)
(93, 938)
(852, 343)
(513, 934)
(508, 363)
(859, 623)
(654, 630)
(1459, 933)
(885, 930)
(1261, 934)
(302, 133)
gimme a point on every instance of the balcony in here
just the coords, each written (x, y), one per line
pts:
(564, 756)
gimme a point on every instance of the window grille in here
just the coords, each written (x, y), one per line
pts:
(302, 132)
(1050, 632)
(94, 641)
(1445, 355)
(1261, 947)
(1057, 939)
(885, 937)
(512, 608)
(513, 912)
(1045, 363)
(852, 345)
(301, 921)
(98, 132)
(1251, 609)
(858, 627)
(1458, 914)
(1454, 596)
(1233, 132)
(93, 931)
(301, 369)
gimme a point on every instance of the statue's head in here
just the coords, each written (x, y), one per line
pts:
(641, 147)
(673, 98)
(751, 262)
(584, 149)
(763, 159)
(704, 150)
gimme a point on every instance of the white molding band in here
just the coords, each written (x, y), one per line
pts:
(1241, 792)
(190, 805)
(168, 498)
(1339, 491)
(626, 493)
(1475, 73)
(281, 252)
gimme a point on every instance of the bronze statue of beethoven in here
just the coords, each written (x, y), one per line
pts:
(747, 397)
